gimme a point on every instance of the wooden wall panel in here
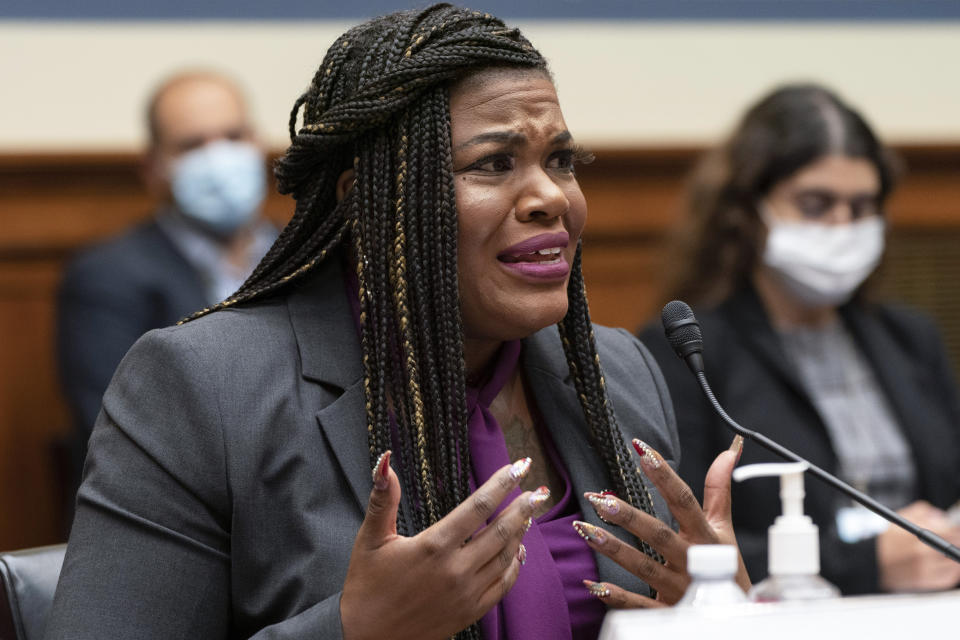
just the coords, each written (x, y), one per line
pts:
(31, 413)
(52, 204)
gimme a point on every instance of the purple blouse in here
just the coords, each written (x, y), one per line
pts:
(548, 600)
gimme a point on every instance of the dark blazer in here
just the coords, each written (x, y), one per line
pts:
(110, 295)
(755, 383)
(229, 470)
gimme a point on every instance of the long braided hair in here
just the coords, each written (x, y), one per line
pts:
(379, 104)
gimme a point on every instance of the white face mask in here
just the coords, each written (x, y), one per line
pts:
(220, 185)
(823, 264)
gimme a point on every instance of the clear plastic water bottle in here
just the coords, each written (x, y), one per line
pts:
(713, 568)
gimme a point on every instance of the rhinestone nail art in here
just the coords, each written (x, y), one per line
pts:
(604, 506)
(538, 497)
(648, 455)
(519, 469)
(597, 589)
(380, 479)
(522, 554)
(589, 532)
(527, 525)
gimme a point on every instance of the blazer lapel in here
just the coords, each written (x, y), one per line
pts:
(751, 324)
(546, 372)
(330, 356)
(342, 421)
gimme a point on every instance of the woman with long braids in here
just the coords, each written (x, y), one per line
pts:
(423, 314)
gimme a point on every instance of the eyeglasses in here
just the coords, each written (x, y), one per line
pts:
(821, 205)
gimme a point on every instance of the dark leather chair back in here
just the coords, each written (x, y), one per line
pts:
(28, 579)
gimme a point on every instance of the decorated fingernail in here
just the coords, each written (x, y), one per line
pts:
(527, 525)
(607, 492)
(597, 589)
(519, 469)
(538, 497)
(380, 479)
(605, 506)
(589, 532)
(522, 554)
(649, 458)
(737, 445)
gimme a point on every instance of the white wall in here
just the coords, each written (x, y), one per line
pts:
(81, 86)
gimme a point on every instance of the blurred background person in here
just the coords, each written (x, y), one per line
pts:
(787, 225)
(207, 173)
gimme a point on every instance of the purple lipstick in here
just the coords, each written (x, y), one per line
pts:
(540, 257)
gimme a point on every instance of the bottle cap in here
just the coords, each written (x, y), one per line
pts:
(712, 560)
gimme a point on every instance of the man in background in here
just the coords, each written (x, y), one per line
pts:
(208, 177)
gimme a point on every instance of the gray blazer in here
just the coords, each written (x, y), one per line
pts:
(228, 471)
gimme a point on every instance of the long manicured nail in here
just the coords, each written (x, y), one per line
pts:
(597, 589)
(380, 479)
(737, 445)
(538, 497)
(589, 532)
(522, 554)
(649, 458)
(520, 468)
(605, 506)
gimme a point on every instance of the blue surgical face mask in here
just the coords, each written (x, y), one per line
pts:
(220, 185)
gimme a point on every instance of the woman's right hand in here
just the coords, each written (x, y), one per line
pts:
(446, 577)
(907, 564)
(712, 524)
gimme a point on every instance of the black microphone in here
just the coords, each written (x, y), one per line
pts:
(683, 333)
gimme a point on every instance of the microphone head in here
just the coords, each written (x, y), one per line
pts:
(682, 329)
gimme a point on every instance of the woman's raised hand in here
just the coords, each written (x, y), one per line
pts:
(435, 583)
(710, 525)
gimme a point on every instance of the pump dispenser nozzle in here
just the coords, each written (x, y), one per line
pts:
(794, 544)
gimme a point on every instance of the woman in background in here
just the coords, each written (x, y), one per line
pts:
(787, 224)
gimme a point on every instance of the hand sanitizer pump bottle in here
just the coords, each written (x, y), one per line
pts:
(793, 541)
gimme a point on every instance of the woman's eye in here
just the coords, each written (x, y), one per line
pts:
(562, 160)
(815, 205)
(864, 207)
(495, 164)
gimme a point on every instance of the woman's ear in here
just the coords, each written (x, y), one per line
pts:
(344, 183)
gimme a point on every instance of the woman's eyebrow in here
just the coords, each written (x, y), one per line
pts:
(562, 137)
(509, 137)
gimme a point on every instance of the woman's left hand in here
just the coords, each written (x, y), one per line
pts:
(711, 524)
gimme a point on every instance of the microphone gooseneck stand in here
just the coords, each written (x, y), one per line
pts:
(683, 333)
(890, 515)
